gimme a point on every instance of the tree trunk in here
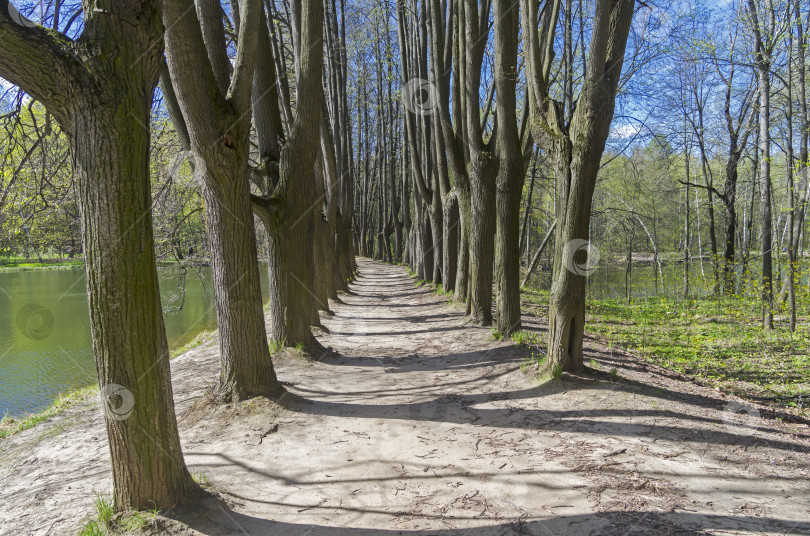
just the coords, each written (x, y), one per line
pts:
(577, 148)
(763, 46)
(512, 160)
(484, 169)
(567, 294)
(246, 369)
(507, 258)
(129, 339)
(217, 115)
(765, 197)
(451, 240)
(729, 200)
(436, 215)
(462, 272)
(101, 95)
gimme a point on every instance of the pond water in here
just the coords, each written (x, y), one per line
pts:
(45, 344)
(609, 281)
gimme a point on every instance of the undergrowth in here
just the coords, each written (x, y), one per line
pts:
(718, 340)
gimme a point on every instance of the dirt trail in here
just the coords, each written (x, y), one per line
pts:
(420, 424)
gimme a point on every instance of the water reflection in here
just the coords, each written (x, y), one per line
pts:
(45, 344)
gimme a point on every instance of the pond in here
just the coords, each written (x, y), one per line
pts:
(45, 344)
(609, 281)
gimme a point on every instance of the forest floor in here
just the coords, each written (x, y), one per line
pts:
(417, 423)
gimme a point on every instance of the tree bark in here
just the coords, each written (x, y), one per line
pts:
(763, 65)
(577, 164)
(218, 123)
(513, 160)
(101, 94)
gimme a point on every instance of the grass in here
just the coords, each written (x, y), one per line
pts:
(200, 478)
(525, 338)
(107, 522)
(21, 263)
(201, 338)
(718, 340)
(441, 292)
(11, 425)
(277, 346)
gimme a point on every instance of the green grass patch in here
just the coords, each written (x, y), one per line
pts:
(107, 522)
(200, 478)
(525, 338)
(718, 340)
(203, 337)
(13, 425)
(277, 346)
(21, 263)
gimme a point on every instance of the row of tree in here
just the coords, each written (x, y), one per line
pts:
(707, 159)
(444, 192)
(263, 121)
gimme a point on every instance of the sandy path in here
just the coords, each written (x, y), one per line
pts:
(421, 424)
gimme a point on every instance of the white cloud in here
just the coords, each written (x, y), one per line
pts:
(626, 130)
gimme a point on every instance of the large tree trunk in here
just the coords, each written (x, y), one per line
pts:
(462, 270)
(101, 95)
(567, 296)
(511, 172)
(345, 246)
(482, 223)
(451, 239)
(216, 111)
(763, 46)
(329, 235)
(577, 148)
(435, 213)
(246, 369)
(507, 258)
(277, 270)
(322, 251)
(132, 359)
(730, 212)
